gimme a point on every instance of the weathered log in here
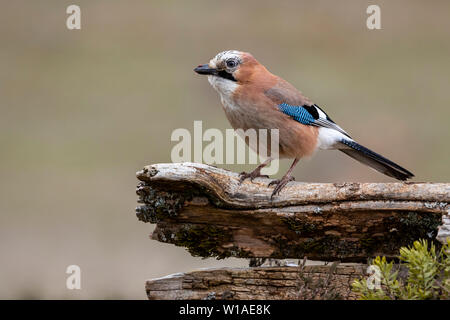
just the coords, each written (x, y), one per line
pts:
(208, 211)
(328, 282)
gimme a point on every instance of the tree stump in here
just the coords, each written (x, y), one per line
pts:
(206, 210)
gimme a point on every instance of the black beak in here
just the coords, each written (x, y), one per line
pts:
(205, 69)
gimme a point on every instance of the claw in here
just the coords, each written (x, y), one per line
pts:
(252, 175)
(280, 184)
(274, 182)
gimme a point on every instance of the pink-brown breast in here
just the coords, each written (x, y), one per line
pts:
(254, 109)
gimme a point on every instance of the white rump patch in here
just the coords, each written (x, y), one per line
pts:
(330, 138)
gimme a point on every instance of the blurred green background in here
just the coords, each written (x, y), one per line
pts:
(82, 111)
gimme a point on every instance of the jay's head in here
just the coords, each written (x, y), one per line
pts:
(229, 69)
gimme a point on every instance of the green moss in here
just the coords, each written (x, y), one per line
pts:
(300, 226)
(405, 228)
(159, 203)
(411, 226)
(315, 246)
(368, 244)
(206, 241)
(328, 245)
(420, 225)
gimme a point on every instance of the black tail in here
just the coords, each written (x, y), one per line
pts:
(374, 160)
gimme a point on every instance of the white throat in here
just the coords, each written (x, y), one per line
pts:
(223, 86)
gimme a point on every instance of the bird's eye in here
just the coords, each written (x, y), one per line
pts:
(231, 64)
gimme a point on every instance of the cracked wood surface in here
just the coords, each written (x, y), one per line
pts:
(207, 210)
(268, 283)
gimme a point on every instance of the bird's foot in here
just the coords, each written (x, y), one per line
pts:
(280, 184)
(252, 175)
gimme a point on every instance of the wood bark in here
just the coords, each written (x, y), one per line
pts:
(264, 283)
(207, 210)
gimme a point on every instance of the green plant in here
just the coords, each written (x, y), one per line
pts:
(426, 275)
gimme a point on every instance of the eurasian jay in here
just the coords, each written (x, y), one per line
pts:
(254, 98)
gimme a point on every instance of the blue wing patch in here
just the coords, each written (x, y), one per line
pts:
(298, 113)
(310, 115)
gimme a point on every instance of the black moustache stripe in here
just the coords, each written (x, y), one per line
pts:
(226, 75)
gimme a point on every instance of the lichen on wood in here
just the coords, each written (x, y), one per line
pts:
(207, 210)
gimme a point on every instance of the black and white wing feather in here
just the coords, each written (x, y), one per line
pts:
(311, 115)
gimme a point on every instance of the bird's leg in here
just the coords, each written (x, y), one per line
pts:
(280, 184)
(255, 173)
